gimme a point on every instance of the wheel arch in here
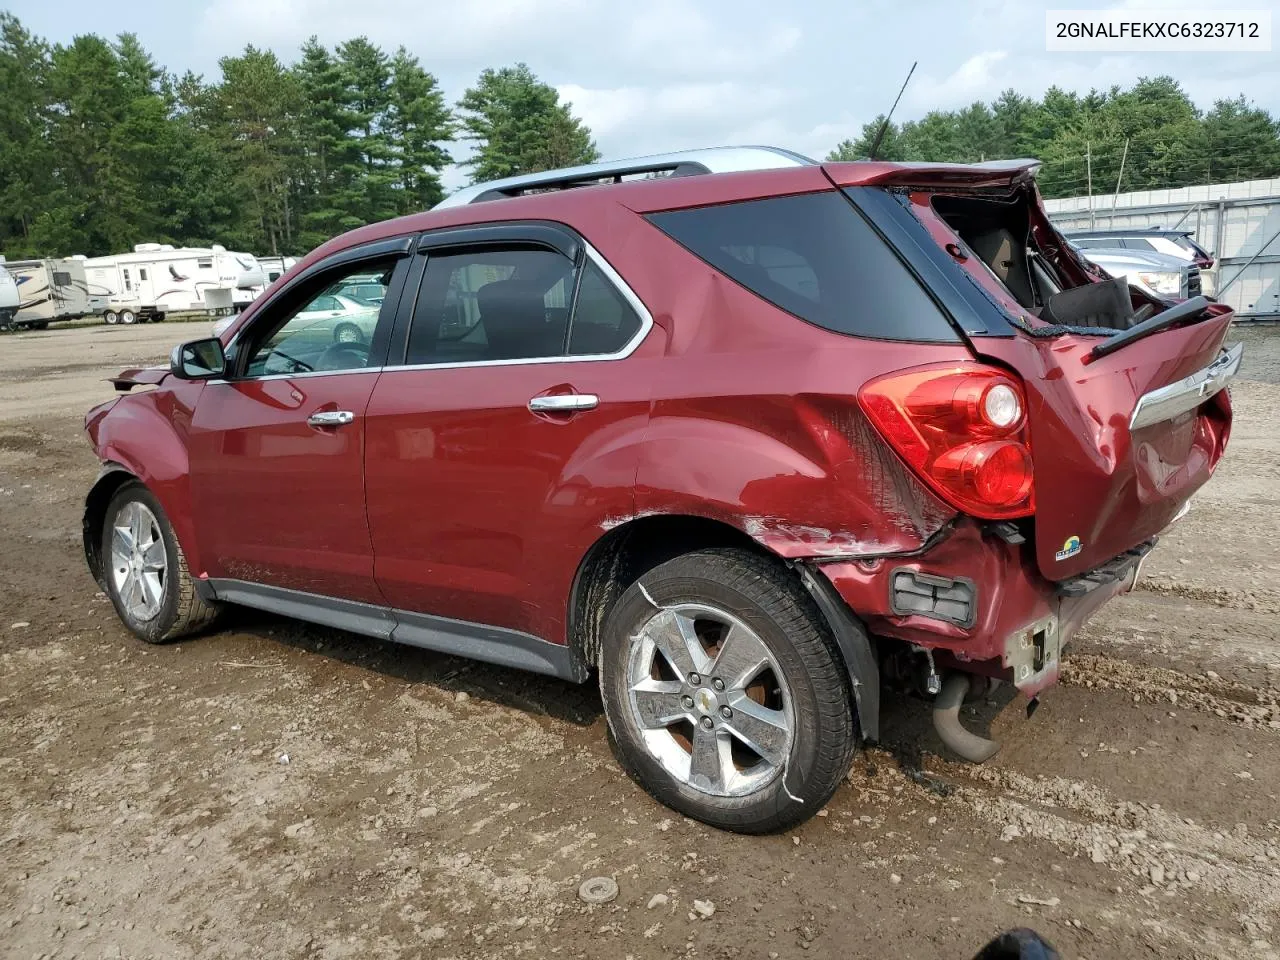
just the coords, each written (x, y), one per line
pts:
(629, 550)
(111, 478)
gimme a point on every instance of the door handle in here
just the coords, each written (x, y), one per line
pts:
(330, 418)
(564, 403)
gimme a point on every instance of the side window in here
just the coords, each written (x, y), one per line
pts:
(491, 304)
(1139, 243)
(142, 273)
(128, 285)
(320, 333)
(204, 263)
(603, 321)
(815, 256)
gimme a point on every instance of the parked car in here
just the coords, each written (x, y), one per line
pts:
(1172, 243)
(329, 318)
(745, 436)
(1155, 274)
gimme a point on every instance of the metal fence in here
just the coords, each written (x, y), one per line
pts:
(1238, 222)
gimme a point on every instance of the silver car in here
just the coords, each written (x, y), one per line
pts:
(1160, 275)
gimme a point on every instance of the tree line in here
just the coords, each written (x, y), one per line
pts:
(1147, 137)
(101, 148)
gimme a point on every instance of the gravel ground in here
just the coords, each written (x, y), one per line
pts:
(280, 790)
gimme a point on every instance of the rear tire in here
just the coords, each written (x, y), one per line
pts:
(111, 317)
(150, 586)
(752, 752)
(128, 316)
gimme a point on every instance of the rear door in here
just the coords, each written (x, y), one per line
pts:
(277, 449)
(497, 444)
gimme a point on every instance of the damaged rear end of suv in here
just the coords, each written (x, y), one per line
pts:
(1088, 414)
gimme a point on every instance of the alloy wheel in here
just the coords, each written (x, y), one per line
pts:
(139, 561)
(709, 700)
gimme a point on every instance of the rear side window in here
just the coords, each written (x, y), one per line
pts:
(603, 321)
(815, 256)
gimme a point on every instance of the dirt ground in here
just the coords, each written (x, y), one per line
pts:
(279, 790)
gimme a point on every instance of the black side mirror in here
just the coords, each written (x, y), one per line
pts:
(198, 360)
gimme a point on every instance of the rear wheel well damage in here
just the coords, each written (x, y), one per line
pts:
(111, 479)
(627, 552)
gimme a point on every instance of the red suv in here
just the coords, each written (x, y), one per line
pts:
(747, 445)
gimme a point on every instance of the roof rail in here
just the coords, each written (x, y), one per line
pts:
(680, 164)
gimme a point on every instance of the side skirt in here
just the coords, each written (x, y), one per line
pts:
(476, 641)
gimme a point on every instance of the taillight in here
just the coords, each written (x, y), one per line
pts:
(963, 430)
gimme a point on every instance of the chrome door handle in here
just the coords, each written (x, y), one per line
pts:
(330, 418)
(564, 403)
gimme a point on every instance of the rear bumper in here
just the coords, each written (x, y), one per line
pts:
(1017, 623)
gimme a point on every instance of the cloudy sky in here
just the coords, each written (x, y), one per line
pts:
(665, 74)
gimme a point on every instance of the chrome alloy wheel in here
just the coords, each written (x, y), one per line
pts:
(139, 562)
(709, 700)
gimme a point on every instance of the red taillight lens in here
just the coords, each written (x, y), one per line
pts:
(963, 429)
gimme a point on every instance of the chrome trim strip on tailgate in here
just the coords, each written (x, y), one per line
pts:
(1177, 398)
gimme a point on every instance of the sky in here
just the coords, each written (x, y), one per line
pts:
(660, 75)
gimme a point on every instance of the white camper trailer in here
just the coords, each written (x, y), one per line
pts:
(50, 290)
(273, 268)
(158, 278)
(8, 296)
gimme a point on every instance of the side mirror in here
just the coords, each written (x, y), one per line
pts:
(198, 360)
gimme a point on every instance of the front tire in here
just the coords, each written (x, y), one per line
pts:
(111, 317)
(725, 693)
(146, 572)
(347, 333)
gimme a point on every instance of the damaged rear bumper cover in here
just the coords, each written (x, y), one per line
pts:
(979, 605)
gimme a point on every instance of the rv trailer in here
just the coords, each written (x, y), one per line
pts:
(156, 279)
(8, 296)
(50, 290)
(273, 268)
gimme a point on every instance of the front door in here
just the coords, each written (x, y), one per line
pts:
(494, 450)
(277, 448)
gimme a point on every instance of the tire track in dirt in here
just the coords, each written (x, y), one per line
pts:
(1225, 699)
(1257, 601)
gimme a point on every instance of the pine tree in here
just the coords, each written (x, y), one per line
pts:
(367, 195)
(418, 122)
(257, 107)
(520, 126)
(25, 160)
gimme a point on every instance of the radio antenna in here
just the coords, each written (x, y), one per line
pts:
(875, 147)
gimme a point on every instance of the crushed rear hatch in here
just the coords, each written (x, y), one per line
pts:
(1119, 441)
